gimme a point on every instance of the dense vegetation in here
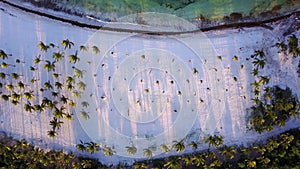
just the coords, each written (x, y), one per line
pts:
(282, 151)
(273, 106)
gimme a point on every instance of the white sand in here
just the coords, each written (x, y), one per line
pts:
(130, 115)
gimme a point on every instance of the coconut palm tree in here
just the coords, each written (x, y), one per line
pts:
(220, 58)
(9, 87)
(214, 141)
(52, 133)
(139, 166)
(39, 108)
(4, 65)
(55, 123)
(198, 160)
(58, 85)
(5, 97)
(3, 75)
(21, 85)
(47, 85)
(235, 58)
(165, 148)
(3, 55)
(15, 96)
(67, 44)
(92, 147)
(55, 75)
(84, 114)
(37, 59)
(147, 152)
(83, 48)
(58, 56)
(43, 47)
(194, 145)
(49, 66)
(78, 73)
(264, 79)
(108, 151)
(69, 116)
(255, 72)
(54, 94)
(58, 113)
(228, 152)
(74, 58)
(259, 63)
(81, 146)
(293, 45)
(81, 85)
(28, 95)
(70, 79)
(48, 103)
(15, 102)
(63, 99)
(195, 71)
(173, 163)
(72, 103)
(84, 104)
(131, 150)
(77, 94)
(282, 46)
(259, 53)
(15, 75)
(95, 49)
(28, 107)
(179, 146)
(256, 84)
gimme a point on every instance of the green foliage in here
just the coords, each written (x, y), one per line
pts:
(276, 107)
(20, 154)
(292, 46)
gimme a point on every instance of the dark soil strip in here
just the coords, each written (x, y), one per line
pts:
(231, 25)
